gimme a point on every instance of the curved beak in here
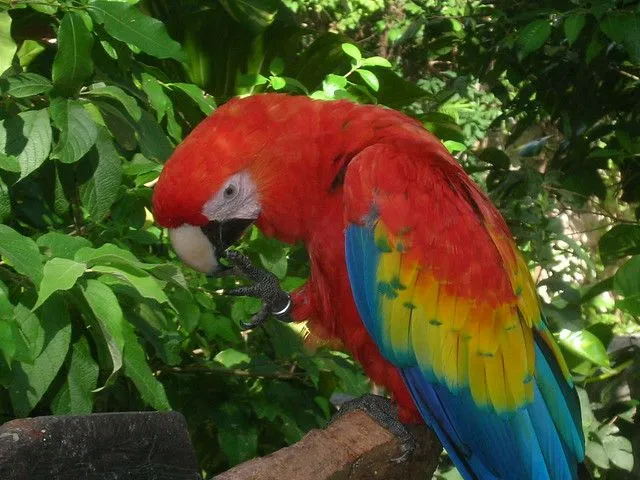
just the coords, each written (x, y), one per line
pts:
(202, 247)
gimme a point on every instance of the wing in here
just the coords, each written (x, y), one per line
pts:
(445, 294)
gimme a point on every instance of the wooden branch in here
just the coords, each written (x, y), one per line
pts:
(103, 445)
(354, 447)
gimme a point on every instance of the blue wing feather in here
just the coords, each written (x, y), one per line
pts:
(542, 440)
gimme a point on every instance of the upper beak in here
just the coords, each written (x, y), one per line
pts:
(202, 247)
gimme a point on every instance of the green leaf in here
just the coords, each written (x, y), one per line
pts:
(395, 91)
(276, 67)
(105, 307)
(5, 202)
(376, 62)
(107, 254)
(9, 163)
(99, 193)
(597, 454)
(7, 335)
(61, 245)
(27, 136)
(237, 436)
(613, 26)
(58, 274)
(21, 253)
(257, 15)
(495, 157)
(25, 85)
(144, 283)
(620, 241)
(78, 132)
(76, 394)
(352, 51)
(533, 36)
(73, 63)
(624, 28)
(332, 83)
(187, 308)
(28, 51)
(619, 452)
(30, 332)
(369, 78)
(454, 146)
(626, 282)
(7, 45)
(231, 357)
(157, 98)
(206, 103)
(152, 139)
(586, 345)
(573, 25)
(596, 45)
(277, 83)
(137, 369)
(116, 93)
(128, 24)
(30, 382)
(632, 37)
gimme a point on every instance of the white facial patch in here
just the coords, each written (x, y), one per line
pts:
(237, 199)
(193, 248)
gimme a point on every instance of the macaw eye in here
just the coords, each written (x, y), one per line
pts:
(230, 191)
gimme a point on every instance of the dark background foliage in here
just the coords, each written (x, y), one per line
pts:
(539, 101)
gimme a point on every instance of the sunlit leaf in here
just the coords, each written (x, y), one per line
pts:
(352, 51)
(78, 132)
(376, 62)
(25, 85)
(369, 78)
(586, 345)
(116, 93)
(27, 137)
(231, 357)
(128, 24)
(21, 253)
(204, 102)
(58, 274)
(104, 305)
(7, 45)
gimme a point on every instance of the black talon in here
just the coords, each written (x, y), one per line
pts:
(266, 287)
(383, 411)
(257, 320)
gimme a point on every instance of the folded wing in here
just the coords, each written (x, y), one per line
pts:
(446, 296)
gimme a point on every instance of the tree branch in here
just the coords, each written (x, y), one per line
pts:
(354, 447)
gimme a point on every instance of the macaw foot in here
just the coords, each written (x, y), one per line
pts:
(385, 412)
(266, 287)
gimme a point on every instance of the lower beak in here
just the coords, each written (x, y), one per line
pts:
(202, 248)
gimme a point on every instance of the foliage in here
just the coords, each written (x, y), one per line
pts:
(537, 99)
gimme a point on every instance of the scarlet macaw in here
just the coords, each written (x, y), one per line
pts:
(412, 268)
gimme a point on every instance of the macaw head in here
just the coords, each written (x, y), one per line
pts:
(225, 175)
(207, 194)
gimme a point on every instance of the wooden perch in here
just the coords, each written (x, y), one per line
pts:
(354, 447)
